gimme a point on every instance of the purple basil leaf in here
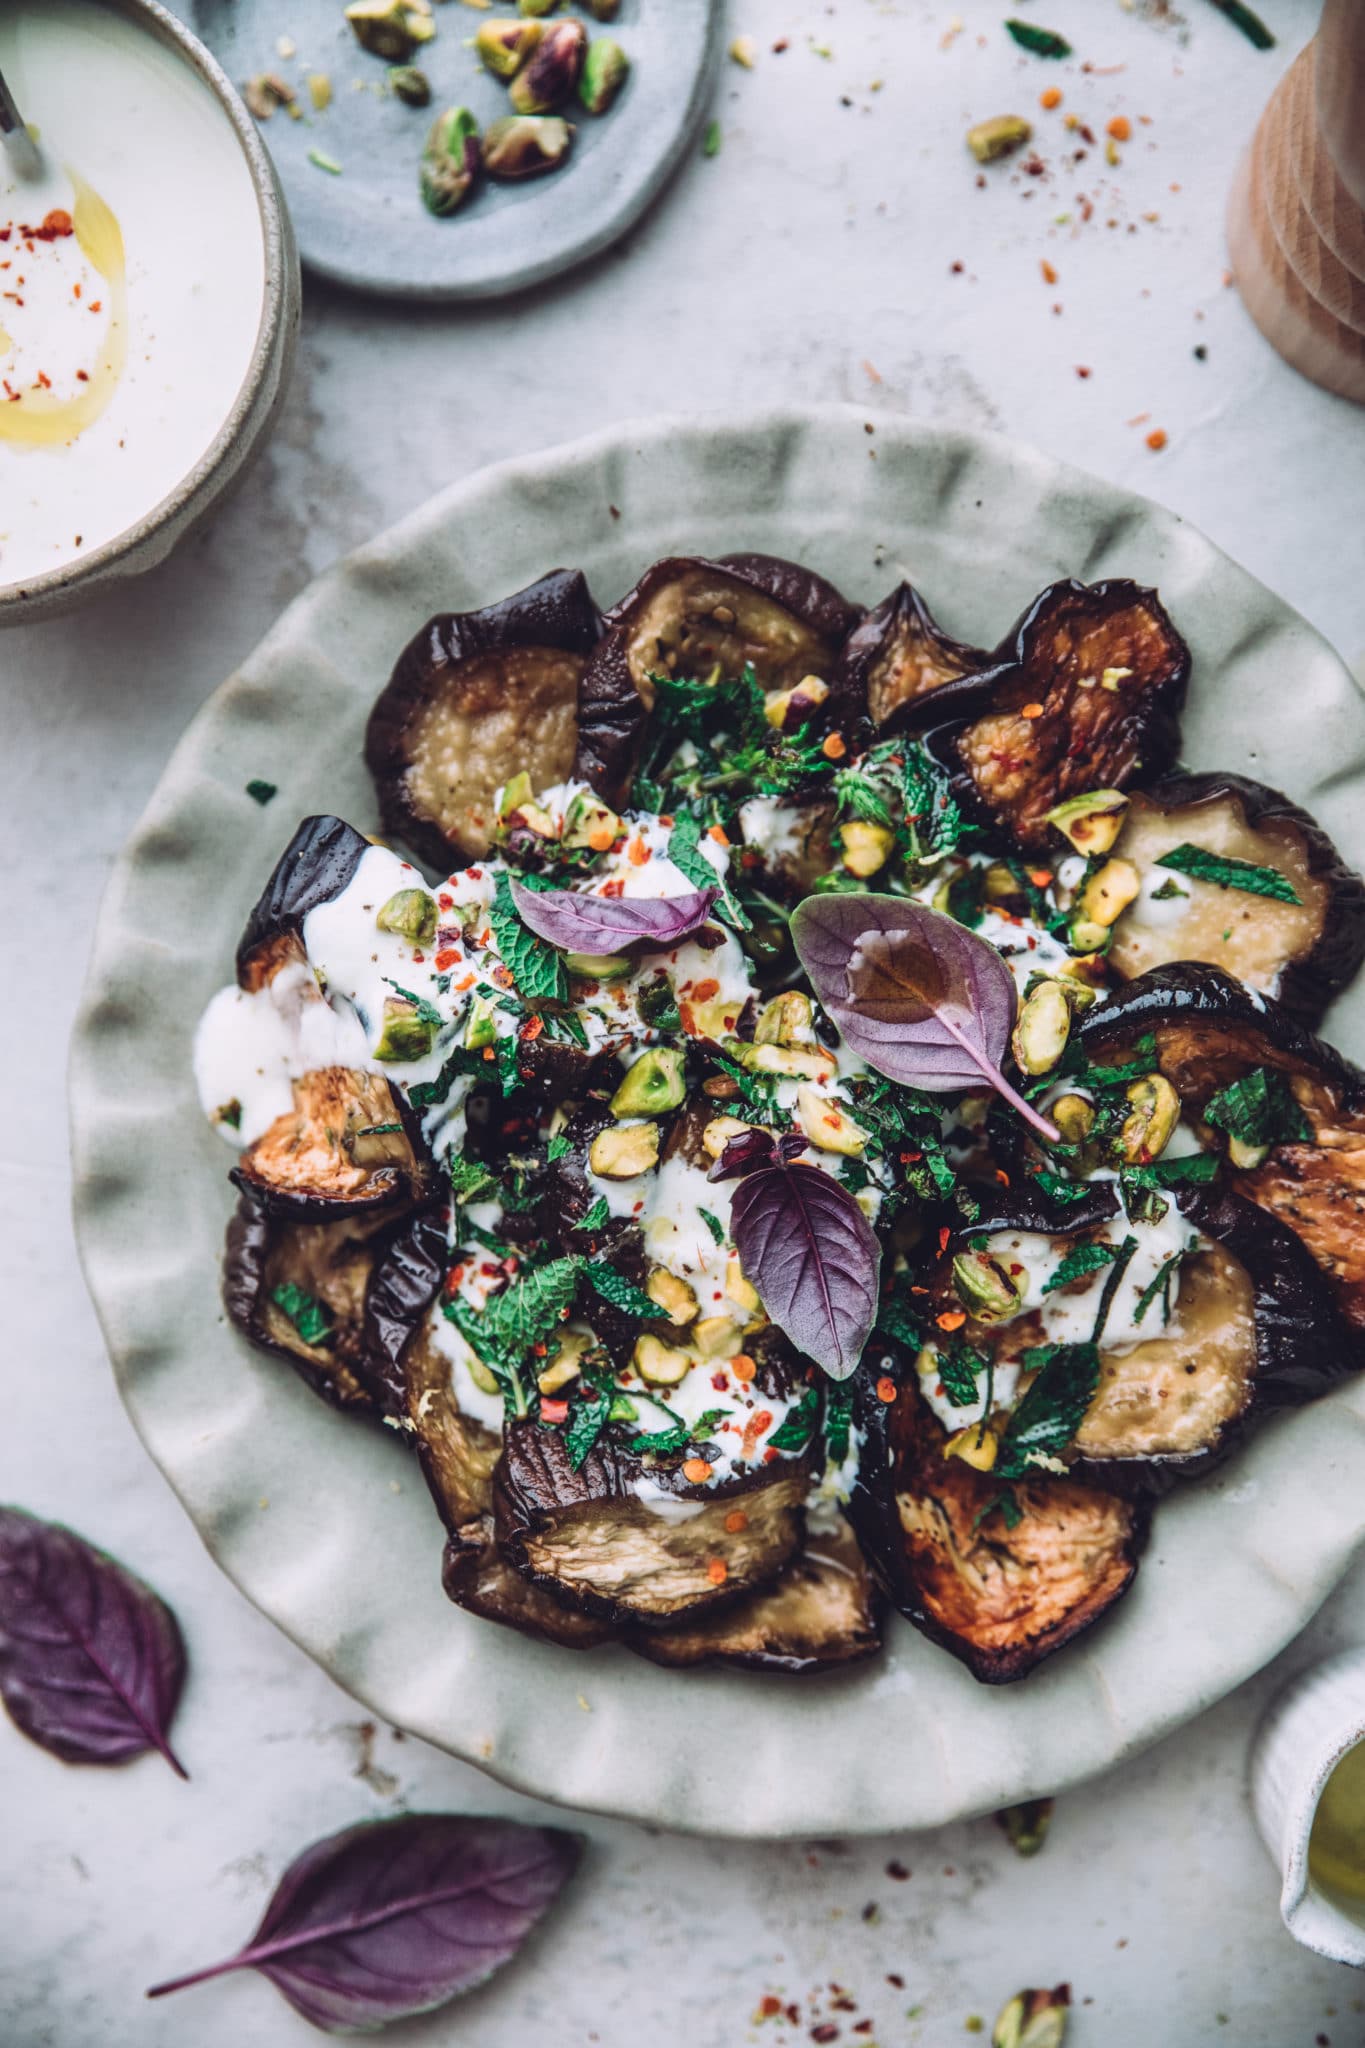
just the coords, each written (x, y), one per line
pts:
(91, 1661)
(393, 1917)
(604, 924)
(745, 1152)
(813, 1256)
(915, 994)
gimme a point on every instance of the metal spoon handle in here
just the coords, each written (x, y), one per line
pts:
(18, 142)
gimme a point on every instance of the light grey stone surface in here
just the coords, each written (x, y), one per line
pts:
(819, 243)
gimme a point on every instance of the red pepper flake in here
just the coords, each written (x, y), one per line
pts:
(943, 1236)
(743, 1367)
(1050, 98)
(637, 853)
(489, 1053)
(704, 990)
(82, 376)
(826, 2031)
(1156, 440)
(615, 888)
(502, 975)
(553, 1411)
(736, 1522)
(1002, 1176)
(687, 1020)
(97, 305)
(1032, 711)
(720, 1380)
(1083, 371)
(834, 746)
(770, 1456)
(448, 957)
(1049, 272)
(446, 900)
(696, 1471)
(717, 1571)
(531, 1029)
(951, 1318)
(887, 1389)
(754, 1428)
(769, 2007)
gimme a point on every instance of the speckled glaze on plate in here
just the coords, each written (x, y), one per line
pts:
(368, 227)
(325, 1524)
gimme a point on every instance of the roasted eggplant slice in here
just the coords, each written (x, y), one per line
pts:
(637, 1545)
(824, 1611)
(1001, 1583)
(1085, 694)
(477, 1578)
(348, 1145)
(298, 1290)
(317, 864)
(688, 617)
(1294, 1131)
(1219, 1316)
(1301, 952)
(899, 654)
(476, 698)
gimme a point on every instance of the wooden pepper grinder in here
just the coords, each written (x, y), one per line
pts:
(1296, 217)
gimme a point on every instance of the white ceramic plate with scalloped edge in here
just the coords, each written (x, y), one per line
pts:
(346, 1557)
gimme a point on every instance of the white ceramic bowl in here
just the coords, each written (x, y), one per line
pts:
(165, 522)
(1304, 1736)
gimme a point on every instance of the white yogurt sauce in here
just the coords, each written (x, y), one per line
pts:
(127, 115)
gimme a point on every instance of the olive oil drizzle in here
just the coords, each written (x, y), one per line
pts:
(38, 418)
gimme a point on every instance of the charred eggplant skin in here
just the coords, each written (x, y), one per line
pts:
(406, 1282)
(1037, 725)
(318, 863)
(476, 1577)
(899, 654)
(324, 1098)
(612, 711)
(557, 612)
(342, 1378)
(1308, 983)
(902, 1444)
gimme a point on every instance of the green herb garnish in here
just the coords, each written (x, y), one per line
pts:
(536, 968)
(1221, 869)
(1039, 42)
(261, 792)
(427, 1013)
(1053, 1408)
(1251, 25)
(620, 1292)
(796, 1431)
(1007, 1505)
(1079, 1261)
(596, 1216)
(1123, 1259)
(1259, 1109)
(1159, 1284)
(713, 1224)
(310, 1317)
(684, 850)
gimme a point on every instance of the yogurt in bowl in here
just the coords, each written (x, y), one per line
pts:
(148, 296)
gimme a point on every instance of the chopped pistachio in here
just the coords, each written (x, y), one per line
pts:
(504, 46)
(976, 1446)
(658, 1364)
(412, 914)
(526, 145)
(998, 137)
(1105, 896)
(790, 707)
(485, 1380)
(599, 966)
(1150, 1123)
(1042, 1028)
(865, 847)
(319, 91)
(591, 823)
(391, 29)
(790, 1061)
(323, 162)
(537, 7)
(744, 52)
(786, 1020)
(450, 161)
(653, 1083)
(1033, 2019)
(264, 93)
(827, 1126)
(1091, 822)
(1026, 1825)
(672, 1295)
(1074, 1116)
(710, 142)
(985, 1289)
(404, 1035)
(481, 1026)
(719, 1132)
(551, 75)
(410, 85)
(717, 1337)
(624, 1150)
(739, 1290)
(1246, 1157)
(605, 70)
(567, 1363)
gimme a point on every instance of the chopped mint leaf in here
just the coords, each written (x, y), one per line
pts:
(596, 1216)
(620, 1292)
(1220, 868)
(1051, 1411)
(558, 1148)
(796, 1431)
(684, 850)
(309, 1316)
(536, 968)
(1080, 1260)
(261, 792)
(713, 1224)
(1259, 1109)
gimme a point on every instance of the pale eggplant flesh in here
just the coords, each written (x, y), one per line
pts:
(349, 1145)
(899, 654)
(1302, 953)
(475, 699)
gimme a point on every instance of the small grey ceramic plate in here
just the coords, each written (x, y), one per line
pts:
(325, 1522)
(368, 227)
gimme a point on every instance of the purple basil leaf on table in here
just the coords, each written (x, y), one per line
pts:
(604, 924)
(393, 1917)
(91, 1661)
(915, 994)
(814, 1258)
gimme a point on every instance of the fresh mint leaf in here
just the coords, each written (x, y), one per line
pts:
(1188, 1169)
(958, 1367)
(1168, 892)
(587, 1419)
(713, 1224)
(596, 1216)
(858, 796)
(558, 1148)
(261, 792)
(1220, 868)
(1059, 1187)
(1006, 1503)
(1259, 1109)
(530, 1307)
(470, 1180)
(427, 1012)
(684, 850)
(798, 1427)
(838, 1421)
(537, 970)
(310, 1317)
(620, 1292)
(462, 1060)
(1039, 42)
(1144, 1060)
(1080, 1260)
(1052, 1410)
(1123, 1259)
(1159, 1284)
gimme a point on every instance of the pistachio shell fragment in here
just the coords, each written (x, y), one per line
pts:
(998, 137)
(526, 146)
(605, 70)
(450, 162)
(551, 75)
